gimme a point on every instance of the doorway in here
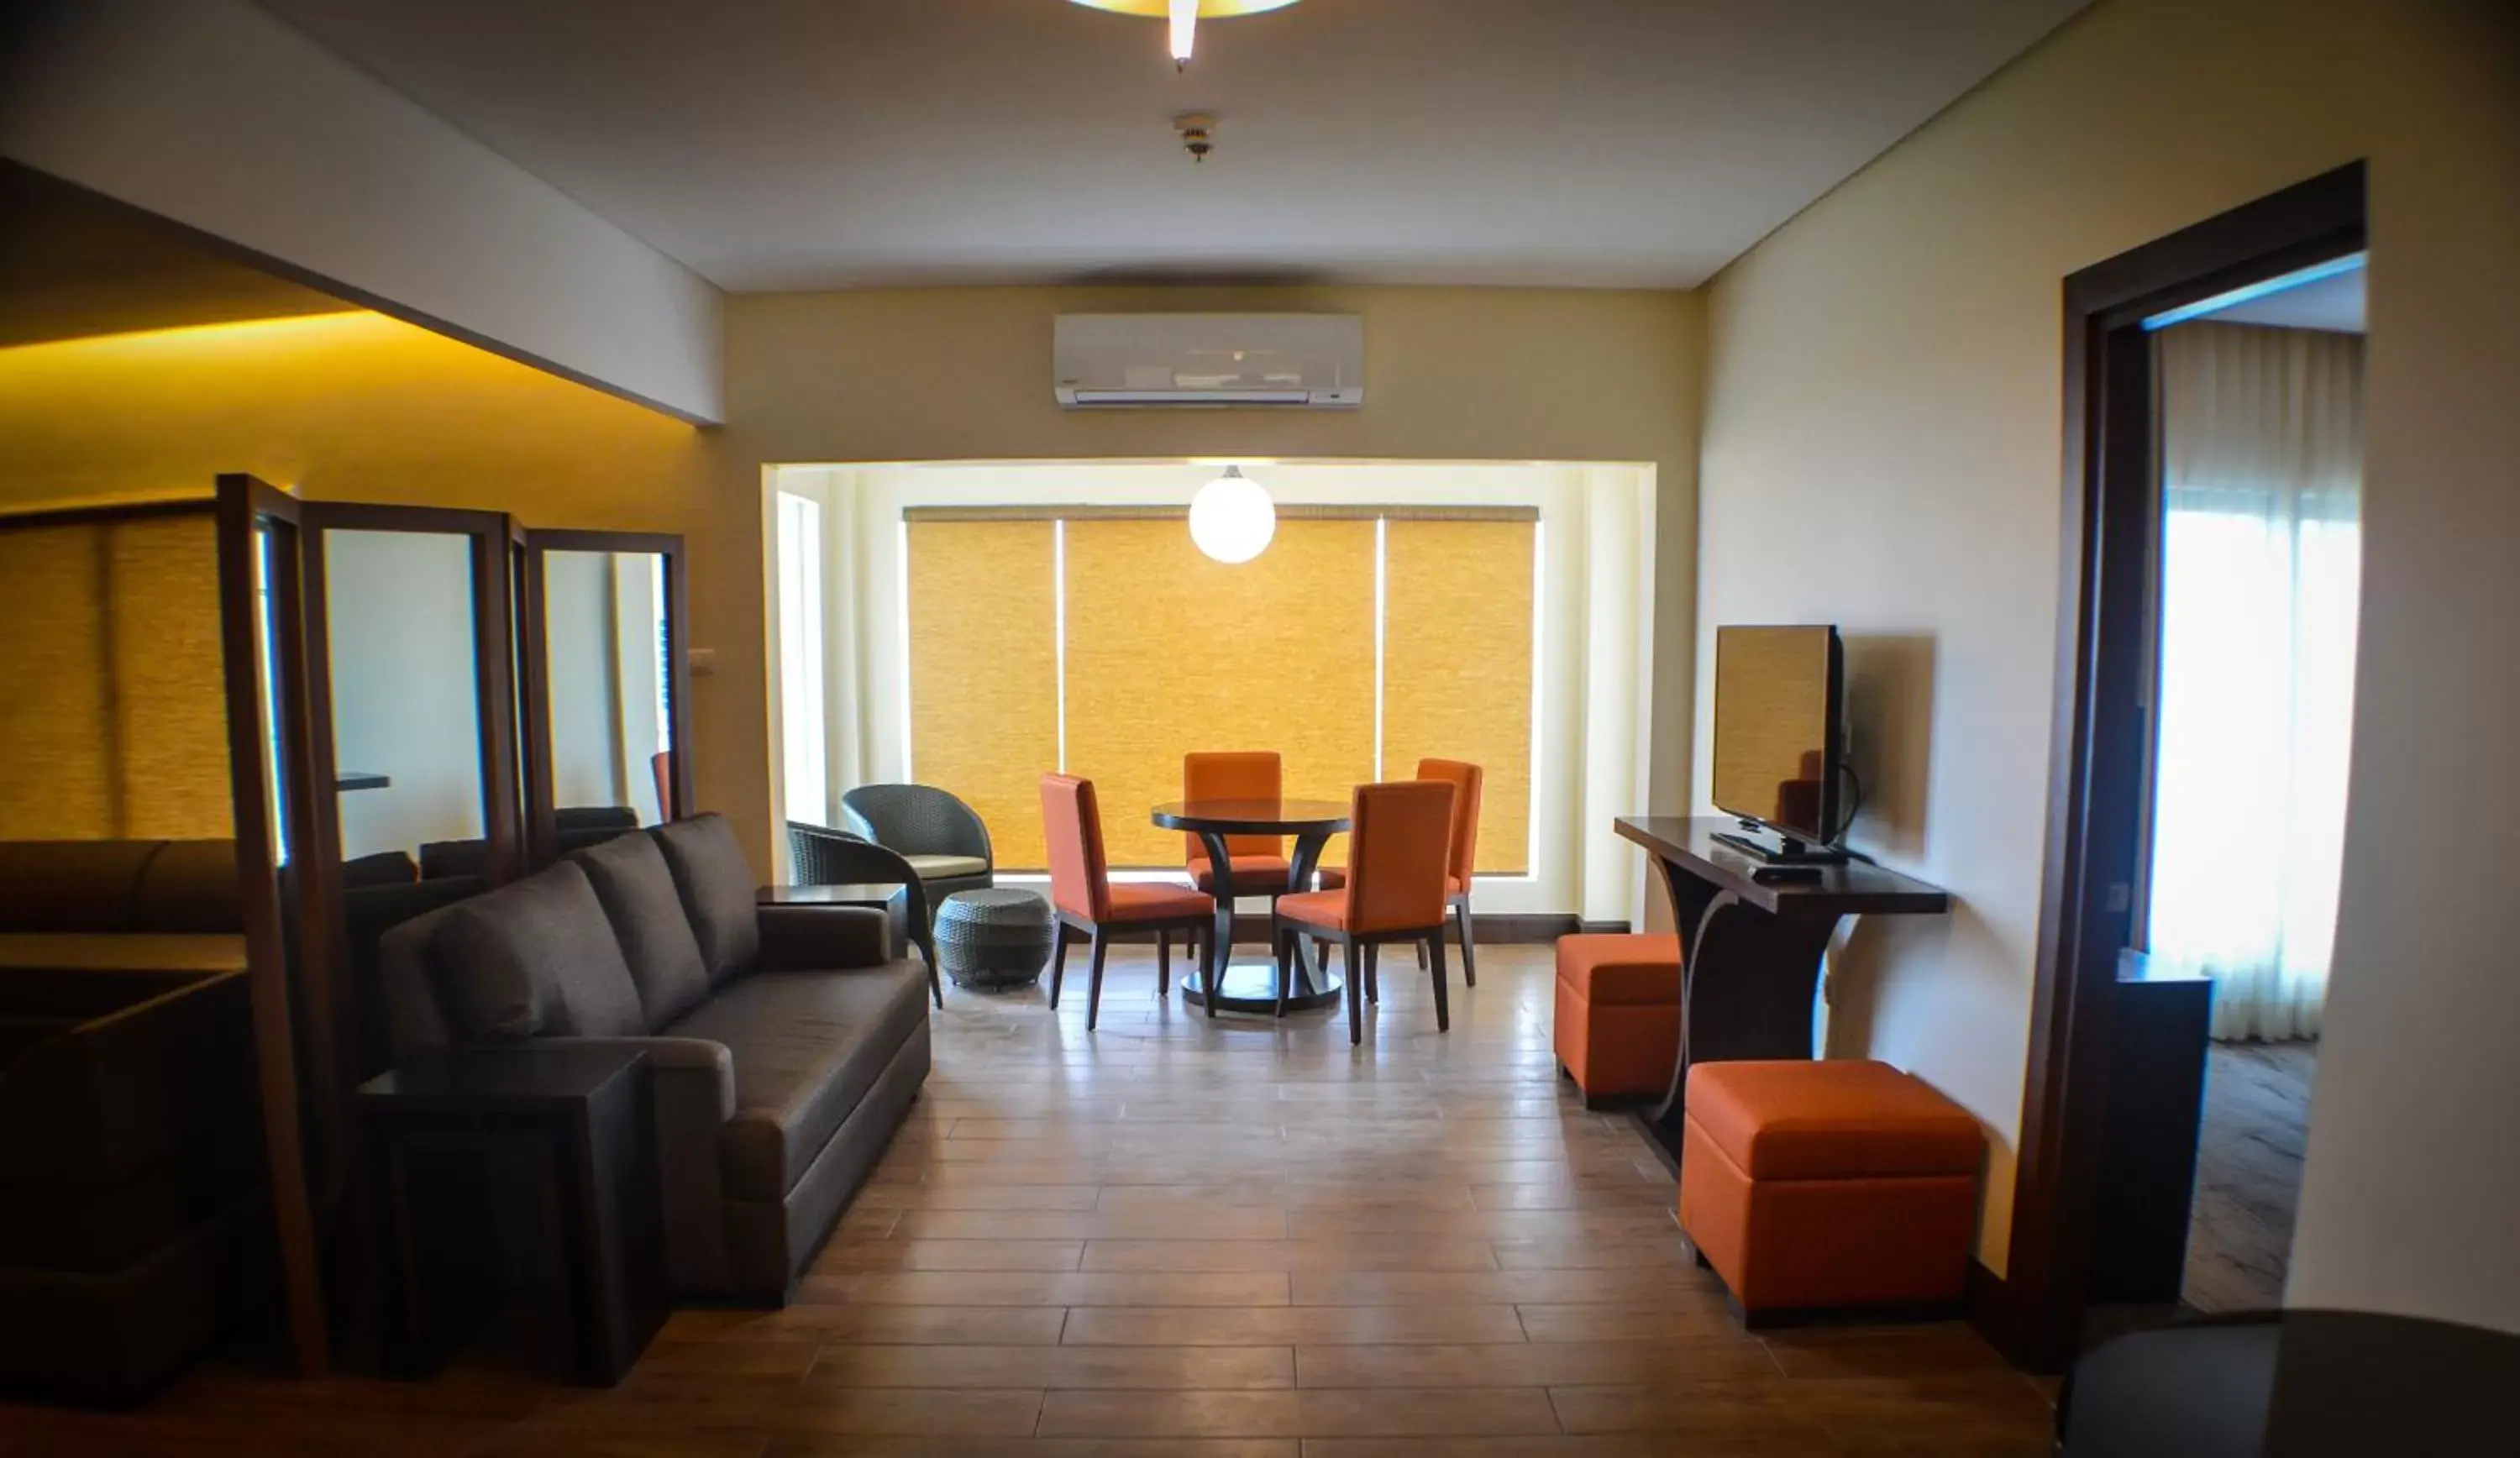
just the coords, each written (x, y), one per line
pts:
(2163, 843)
(2258, 410)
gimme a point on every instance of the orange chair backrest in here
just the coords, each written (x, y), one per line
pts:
(1465, 780)
(1071, 822)
(1398, 844)
(1233, 774)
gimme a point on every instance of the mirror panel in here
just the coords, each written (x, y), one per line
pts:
(406, 705)
(607, 693)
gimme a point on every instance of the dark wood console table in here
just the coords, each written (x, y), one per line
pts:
(1751, 949)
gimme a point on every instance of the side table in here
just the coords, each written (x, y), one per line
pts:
(487, 1161)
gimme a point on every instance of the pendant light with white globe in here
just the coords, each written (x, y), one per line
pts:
(1232, 518)
(1183, 15)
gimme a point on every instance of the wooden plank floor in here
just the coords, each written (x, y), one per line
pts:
(1225, 1239)
(2248, 1174)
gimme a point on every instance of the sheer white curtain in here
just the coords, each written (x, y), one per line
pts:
(2262, 461)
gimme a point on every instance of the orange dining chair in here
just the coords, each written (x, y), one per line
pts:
(1259, 862)
(1398, 838)
(1088, 901)
(1461, 858)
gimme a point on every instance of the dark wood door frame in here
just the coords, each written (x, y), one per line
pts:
(534, 545)
(2102, 726)
(288, 979)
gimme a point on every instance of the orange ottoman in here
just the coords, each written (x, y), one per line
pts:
(1838, 1183)
(1618, 1012)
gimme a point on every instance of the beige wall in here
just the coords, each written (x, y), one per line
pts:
(964, 374)
(1881, 450)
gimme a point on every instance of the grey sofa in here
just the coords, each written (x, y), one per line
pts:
(787, 1044)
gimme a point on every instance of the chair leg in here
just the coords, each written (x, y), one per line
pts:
(1469, 959)
(1421, 957)
(1285, 941)
(1094, 987)
(935, 983)
(1443, 1001)
(1355, 1007)
(1163, 964)
(1372, 972)
(1058, 963)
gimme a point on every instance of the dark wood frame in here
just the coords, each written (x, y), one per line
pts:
(322, 916)
(533, 545)
(2102, 727)
(1100, 934)
(278, 980)
(494, 673)
(1361, 974)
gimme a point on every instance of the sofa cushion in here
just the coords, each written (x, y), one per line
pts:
(947, 867)
(806, 1045)
(536, 957)
(630, 878)
(717, 890)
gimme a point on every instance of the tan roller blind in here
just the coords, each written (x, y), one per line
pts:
(1457, 665)
(113, 711)
(1169, 651)
(984, 672)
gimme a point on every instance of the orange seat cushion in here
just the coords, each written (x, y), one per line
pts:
(1156, 901)
(1613, 968)
(1835, 1118)
(1336, 876)
(1249, 872)
(1316, 909)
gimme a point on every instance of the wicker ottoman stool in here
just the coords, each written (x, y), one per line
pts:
(993, 940)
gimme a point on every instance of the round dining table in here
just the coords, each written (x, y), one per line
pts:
(1252, 986)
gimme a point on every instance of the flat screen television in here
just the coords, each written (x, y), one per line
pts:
(1779, 742)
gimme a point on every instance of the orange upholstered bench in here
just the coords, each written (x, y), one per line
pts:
(1835, 1183)
(1618, 1012)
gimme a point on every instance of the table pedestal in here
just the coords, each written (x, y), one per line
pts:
(1252, 986)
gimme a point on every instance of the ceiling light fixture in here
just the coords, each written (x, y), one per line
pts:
(1232, 518)
(1185, 15)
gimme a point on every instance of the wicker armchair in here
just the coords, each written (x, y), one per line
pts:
(940, 836)
(824, 856)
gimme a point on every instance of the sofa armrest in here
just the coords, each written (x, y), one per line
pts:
(802, 939)
(692, 1080)
(693, 1071)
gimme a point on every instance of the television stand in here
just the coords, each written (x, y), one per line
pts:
(1751, 950)
(1790, 852)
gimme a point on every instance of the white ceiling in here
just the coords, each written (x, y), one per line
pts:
(2334, 302)
(804, 144)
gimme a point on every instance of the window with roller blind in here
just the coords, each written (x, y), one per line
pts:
(1103, 642)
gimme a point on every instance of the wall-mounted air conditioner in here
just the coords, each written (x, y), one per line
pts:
(1125, 361)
